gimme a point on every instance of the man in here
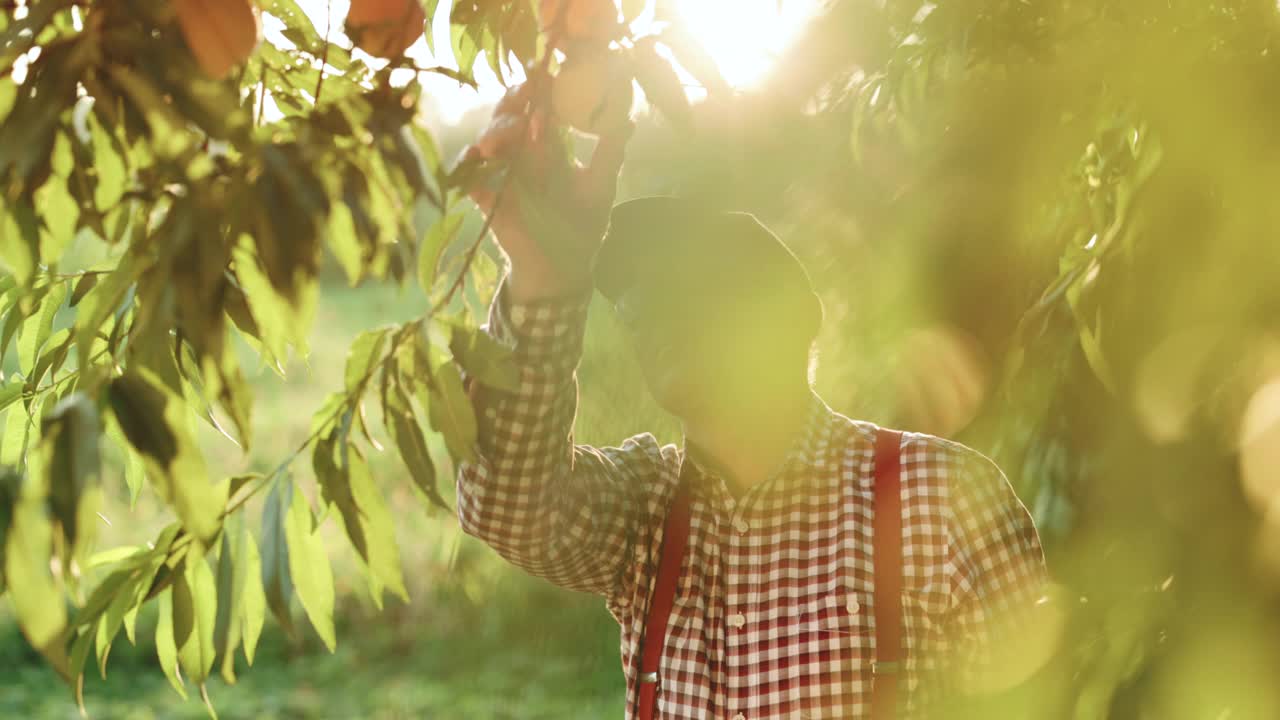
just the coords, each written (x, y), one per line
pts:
(777, 605)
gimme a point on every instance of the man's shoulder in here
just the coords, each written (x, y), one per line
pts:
(957, 458)
(928, 459)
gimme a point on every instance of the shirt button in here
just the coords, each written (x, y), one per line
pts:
(737, 620)
(739, 716)
(853, 606)
(741, 526)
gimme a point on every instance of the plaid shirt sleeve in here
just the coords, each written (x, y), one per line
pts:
(564, 512)
(999, 574)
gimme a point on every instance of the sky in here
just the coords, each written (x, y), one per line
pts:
(743, 36)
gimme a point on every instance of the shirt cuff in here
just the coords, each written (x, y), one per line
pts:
(544, 331)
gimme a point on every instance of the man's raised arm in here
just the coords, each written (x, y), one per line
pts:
(563, 511)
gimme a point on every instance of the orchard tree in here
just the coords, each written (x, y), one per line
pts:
(1083, 187)
(141, 128)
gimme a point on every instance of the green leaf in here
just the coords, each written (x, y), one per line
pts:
(365, 351)
(290, 207)
(157, 424)
(309, 567)
(106, 592)
(34, 592)
(60, 213)
(107, 166)
(69, 441)
(344, 243)
(195, 602)
(417, 167)
(451, 413)
(51, 359)
(38, 326)
(231, 582)
(483, 358)
(17, 422)
(233, 393)
(335, 489)
(104, 300)
(79, 655)
(436, 239)
(19, 247)
(288, 12)
(465, 48)
(87, 282)
(166, 647)
(276, 318)
(253, 604)
(276, 581)
(128, 589)
(134, 472)
(10, 393)
(170, 136)
(406, 433)
(379, 527)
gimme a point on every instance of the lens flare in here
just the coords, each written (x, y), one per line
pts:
(941, 380)
(1259, 445)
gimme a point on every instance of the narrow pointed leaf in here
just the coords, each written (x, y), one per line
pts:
(34, 592)
(194, 612)
(157, 424)
(276, 582)
(406, 433)
(253, 606)
(451, 414)
(365, 351)
(484, 358)
(37, 328)
(309, 567)
(166, 648)
(384, 552)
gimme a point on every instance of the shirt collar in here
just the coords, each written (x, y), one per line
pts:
(804, 455)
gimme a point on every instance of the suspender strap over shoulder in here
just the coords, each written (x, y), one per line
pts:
(887, 565)
(887, 559)
(675, 537)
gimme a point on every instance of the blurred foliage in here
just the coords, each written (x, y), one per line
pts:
(1043, 228)
(1068, 205)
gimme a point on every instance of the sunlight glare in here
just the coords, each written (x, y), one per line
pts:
(745, 37)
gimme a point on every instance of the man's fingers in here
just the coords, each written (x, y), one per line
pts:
(483, 197)
(514, 101)
(503, 133)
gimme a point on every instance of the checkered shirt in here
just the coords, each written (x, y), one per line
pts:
(773, 612)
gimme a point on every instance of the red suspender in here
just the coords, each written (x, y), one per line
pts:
(887, 561)
(674, 539)
(887, 564)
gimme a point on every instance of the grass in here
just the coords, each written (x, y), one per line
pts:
(478, 640)
(488, 662)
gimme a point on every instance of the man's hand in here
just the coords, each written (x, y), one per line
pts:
(545, 193)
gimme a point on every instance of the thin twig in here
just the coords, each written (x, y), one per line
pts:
(537, 75)
(262, 93)
(324, 54)
(470, 257)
